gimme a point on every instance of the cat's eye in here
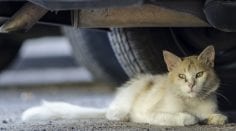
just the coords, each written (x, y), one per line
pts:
(182, 76)
(199, 74)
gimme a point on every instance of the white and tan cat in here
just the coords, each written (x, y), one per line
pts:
(185, 95)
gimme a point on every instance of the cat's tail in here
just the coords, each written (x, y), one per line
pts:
(61, 110)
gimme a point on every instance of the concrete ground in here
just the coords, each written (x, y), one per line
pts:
(14, 100)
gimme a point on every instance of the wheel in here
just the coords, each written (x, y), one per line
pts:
(92, 49)
(9, 48)
(139, 50)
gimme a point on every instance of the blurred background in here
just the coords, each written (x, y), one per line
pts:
(45, 60)
(51, 55)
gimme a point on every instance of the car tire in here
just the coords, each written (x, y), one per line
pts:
(139, 50)
(92, 50)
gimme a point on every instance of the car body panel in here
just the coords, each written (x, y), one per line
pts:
(84, 4)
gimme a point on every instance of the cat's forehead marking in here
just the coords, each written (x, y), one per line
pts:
(190, 64)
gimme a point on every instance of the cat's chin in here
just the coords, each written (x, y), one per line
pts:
(189, 95)
(192, 94)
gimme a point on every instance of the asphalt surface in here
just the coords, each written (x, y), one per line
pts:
(14, 100)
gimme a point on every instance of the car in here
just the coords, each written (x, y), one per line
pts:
(118, 39)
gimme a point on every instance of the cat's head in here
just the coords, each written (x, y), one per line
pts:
(192, 76)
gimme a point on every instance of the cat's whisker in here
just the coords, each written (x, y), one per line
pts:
(224, 97)
(203, 93)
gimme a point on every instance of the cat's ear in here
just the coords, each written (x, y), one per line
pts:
(171, 60)
(208, 55)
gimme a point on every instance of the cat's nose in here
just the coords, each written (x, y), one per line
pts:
(190, 85)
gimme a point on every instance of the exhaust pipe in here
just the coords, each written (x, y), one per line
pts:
(24, 18)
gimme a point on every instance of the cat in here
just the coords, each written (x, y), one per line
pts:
(186, 95)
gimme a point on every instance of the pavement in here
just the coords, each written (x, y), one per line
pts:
(14, 100)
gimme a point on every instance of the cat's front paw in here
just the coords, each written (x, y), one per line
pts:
(185, 119)
(117, 115)
(217, 119)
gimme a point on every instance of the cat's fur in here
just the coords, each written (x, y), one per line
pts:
(183, 96)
